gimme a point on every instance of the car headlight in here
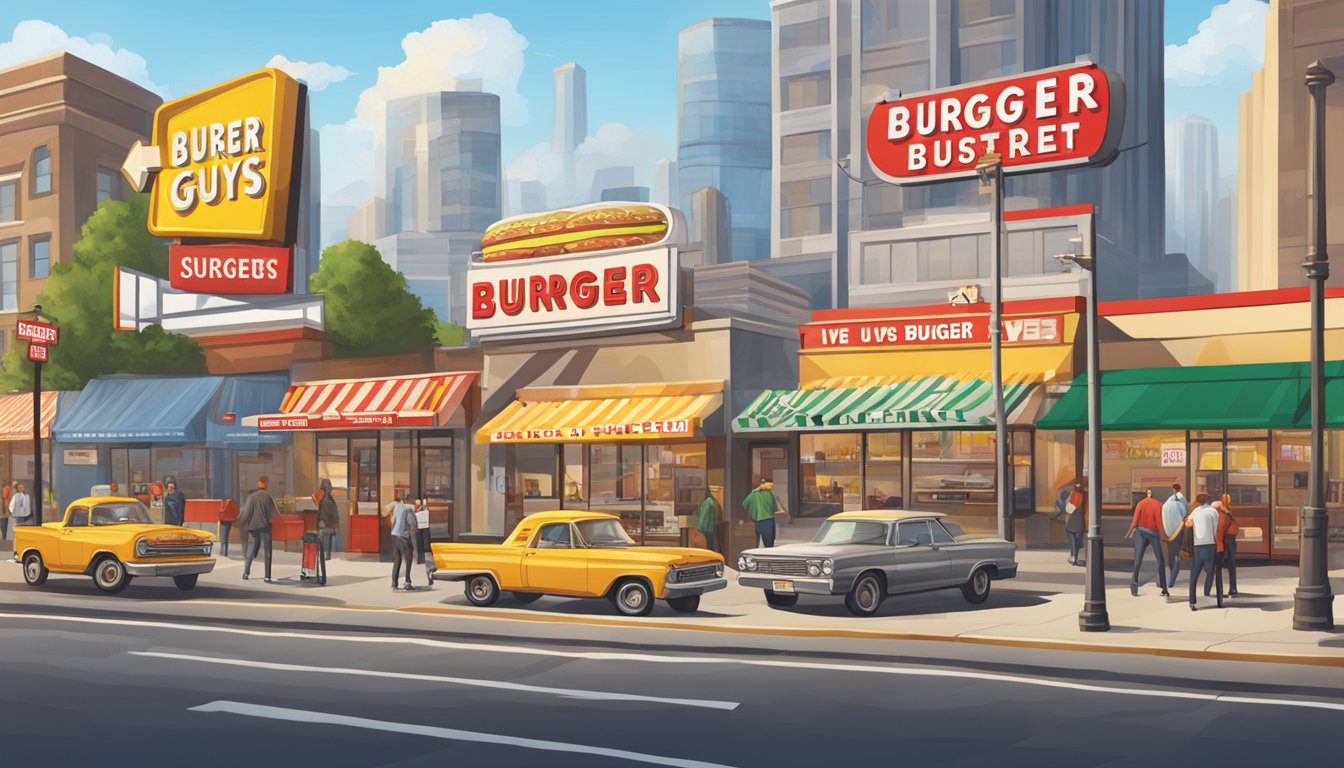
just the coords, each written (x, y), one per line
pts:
(209, 547)
(142, 547)
(827, 568)
(718, 569)
(751, 563)
(814, 568)
(674, 576)
(741, 563)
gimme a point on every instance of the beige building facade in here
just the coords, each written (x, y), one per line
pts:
(1272, 194)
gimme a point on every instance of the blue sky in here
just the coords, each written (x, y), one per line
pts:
(628, 48)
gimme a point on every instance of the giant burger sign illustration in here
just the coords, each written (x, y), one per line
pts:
(1051, 118)
(592, 268)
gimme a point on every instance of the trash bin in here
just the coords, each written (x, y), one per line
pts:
(314, 564)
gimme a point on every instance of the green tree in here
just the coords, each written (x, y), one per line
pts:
(368, 309)
(449, 335)
(78, 297)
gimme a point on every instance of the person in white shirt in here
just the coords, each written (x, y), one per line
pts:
(1204, 522)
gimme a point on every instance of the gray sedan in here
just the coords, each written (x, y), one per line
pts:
(866, 556)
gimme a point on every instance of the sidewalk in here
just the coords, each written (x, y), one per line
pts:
(1039, 608)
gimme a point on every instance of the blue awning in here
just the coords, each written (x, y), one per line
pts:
(240, 397)
(139, 409)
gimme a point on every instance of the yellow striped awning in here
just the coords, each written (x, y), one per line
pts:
(16, 415)
(604, 414)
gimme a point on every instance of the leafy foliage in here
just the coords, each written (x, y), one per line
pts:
(368, 309)
(78, 297)
(450, 335)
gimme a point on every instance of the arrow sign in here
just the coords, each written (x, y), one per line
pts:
(142, 164)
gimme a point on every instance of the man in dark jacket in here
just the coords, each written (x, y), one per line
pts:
(174, 505)
(328, 519)
(255, 519)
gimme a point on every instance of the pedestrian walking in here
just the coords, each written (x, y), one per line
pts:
(707, 521)
(1075, 526)
(174, 505)
(1147, 523)
(1174, 511)
(255, 521)
(328, 518)
(228, 515)
(1203, 522)
(4, 515)
(403, 530)
(421, 530)
(1227, 548)
(761, 505)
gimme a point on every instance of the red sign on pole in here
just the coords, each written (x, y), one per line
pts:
(37, 353)
(230, 268)
(38, 332)
(1051, 118)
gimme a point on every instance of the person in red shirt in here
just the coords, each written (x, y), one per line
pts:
(1148, 522)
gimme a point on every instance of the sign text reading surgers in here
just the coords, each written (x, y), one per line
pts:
(226, 160)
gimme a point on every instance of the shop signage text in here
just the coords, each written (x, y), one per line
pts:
(343, 421)
(230, 268)
(1173, 455)
(227, 156)
(1051, 118)
(930, 331)
(38, 332)
(558, 296)
(660, 428)
(37, 353)
(80, 457)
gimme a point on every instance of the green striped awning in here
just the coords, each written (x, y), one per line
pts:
(932, 400)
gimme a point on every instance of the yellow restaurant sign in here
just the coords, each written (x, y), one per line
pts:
(227, 160)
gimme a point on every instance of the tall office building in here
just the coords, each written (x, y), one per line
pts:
(610, 177)
(711, 225)
(1272, 180)
(1195, 196)
(723, 124)
(833, 60)
(571, 121)
(308, 244)
(665, 183)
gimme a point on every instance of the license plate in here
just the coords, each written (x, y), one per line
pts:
(783, 586)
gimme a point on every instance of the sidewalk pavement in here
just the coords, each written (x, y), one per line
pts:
(1037, 609)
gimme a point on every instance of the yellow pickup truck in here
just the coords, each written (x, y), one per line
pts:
(112, 539)
(581, 554)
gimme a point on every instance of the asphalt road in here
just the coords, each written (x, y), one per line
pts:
(80, 689)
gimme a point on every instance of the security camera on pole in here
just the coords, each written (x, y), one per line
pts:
(40, 335)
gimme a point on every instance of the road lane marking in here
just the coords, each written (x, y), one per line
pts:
(705, 660)
(570, 693)
(451, 734)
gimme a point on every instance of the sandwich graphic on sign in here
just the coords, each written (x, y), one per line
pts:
(573, 231)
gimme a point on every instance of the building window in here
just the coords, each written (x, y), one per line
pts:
(829, 475)
(882, 471)
(41, 170)
(976, 11)
(953, 472)
(813, 32)
(39, 256)
(109, 185)
(535, 467)
(805, 207)
(982, 62)
(802, 91)
(805, 148)
(9, 276)
(9, 199)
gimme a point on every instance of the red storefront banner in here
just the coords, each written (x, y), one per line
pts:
(38, 332)
(230, 268)
(1070, 115)
(344, 421)
(930, 331)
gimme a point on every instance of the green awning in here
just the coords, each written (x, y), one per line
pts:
(1261, 396)
(930, 401)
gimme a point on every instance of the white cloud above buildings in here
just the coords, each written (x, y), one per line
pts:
(34, 38)
(611, 145)
(1228, 46)
(317, 74)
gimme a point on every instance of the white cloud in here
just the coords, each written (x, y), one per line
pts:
(615, 144)
(317, 74)
(33, 39)
(536, 163)
(1226, 49)
(483, 51)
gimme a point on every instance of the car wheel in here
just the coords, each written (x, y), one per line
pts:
(110, 575)
(776, 600)
(976, 588)
(186, 583)
(527, 597)
(34, 570)
(689, 604)
(482, 590)
(633, 598)
(866, 596)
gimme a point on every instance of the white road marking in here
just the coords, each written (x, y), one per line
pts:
(453, 734)
(571, 693)
(662, 659)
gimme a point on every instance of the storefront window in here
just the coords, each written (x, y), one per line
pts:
(274, 466)
(534, 467)
(1134, 463)
(333, 463)
(882, 471)
(953, 472)
(189, 467)
(1056, 455)
(617, 484)
(364, 472)
(131, 471)
(574, 484)
(400, 471)
(436, 482)
(829, 473)
(676, 486)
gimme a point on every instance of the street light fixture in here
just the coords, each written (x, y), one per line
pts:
(1093, 617)
(990, 171)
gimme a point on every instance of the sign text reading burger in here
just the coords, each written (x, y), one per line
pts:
(1052, 118)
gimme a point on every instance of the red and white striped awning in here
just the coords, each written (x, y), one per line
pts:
(422, 400)
(16, 415)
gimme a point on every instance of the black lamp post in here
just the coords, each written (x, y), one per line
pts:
(990, 170)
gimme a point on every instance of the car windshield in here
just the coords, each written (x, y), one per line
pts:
(851, 532)
(604, 533)
(120, 512)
